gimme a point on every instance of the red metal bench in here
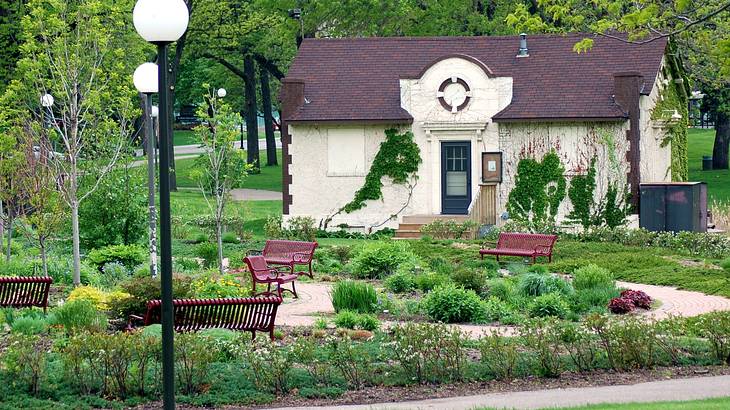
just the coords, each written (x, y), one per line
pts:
(25, 291)
(242, 314)
(288, 253)
(261, 272)
(528, 245)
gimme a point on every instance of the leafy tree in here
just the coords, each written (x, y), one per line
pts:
(10, 14)
(699, 32)
(222, 167)
(81, 52)
(116, 212)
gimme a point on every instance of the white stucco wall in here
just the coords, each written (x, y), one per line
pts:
(656, 160)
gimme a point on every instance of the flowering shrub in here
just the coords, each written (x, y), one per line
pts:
(620, 305)
(429, 352)
(638, 298)
(211, 285)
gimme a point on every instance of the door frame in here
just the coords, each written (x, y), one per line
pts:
(442, 172)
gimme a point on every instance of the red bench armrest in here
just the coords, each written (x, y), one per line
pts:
(303, 257)
(250, 252)
(546, 249)
(489, 244)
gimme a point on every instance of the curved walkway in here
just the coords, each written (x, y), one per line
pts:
(666, 390)
(314, 299)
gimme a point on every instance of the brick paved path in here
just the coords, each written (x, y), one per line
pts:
(314, 298)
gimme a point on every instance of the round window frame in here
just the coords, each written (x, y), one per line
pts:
(448, 82)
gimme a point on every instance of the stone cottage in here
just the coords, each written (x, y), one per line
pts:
(475, 107)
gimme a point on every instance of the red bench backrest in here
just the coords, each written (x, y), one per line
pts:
(254, 314)
(257, 266)
(287, 249)
(25, 291)
(525, 241)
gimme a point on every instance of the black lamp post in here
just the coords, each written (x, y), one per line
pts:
(162, 22)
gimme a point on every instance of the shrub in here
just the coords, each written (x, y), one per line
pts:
(621, 305)
(306, 352)
(536, 284)
(25, 361)
(212, 285)
(725, 264)
(452, 304)
(428, 281)
(208, 252)
(542, 337)
(495, 309)
(79, 315)
(592, 277)
(193, 357)
(401, 282)
(640, 299)
(474, 279)
(715, 327)
(97, 297)
(29, 325)
(593, 299)
(185, 265)
(503, 289)
(448, 229)
(429, 352)
(342, 253)
(356, 296)
(128, 255)
(550, 304)
(230, 237)
(116, 212)
(380, 259)
(354, 362)
(499, 355)
(301, 228)
(628, 342)
(581, 345)
(113, 273)
(142, 290)
(352, 320)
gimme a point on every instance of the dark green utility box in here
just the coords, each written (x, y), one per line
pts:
(673, 206)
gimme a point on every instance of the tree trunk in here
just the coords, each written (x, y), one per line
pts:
(76, 250)
(722, 141)
(268, 117)
(252, 127)
(9, 235)
(44, 258)
(219, 239)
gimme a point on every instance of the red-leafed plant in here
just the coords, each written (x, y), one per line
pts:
(639, 298)
(620, 305)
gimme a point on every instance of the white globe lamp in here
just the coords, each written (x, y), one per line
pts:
(222, 92)
(47, 100)
(145, 78)
(160, 21)
(155, 111)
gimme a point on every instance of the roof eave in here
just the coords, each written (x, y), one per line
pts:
(560, 119)
(366, 121)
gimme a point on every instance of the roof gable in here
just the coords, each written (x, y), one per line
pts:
(352, 80)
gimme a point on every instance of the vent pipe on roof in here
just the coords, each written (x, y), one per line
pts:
(523, 52)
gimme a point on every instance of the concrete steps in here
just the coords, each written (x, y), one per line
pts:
(410, 228)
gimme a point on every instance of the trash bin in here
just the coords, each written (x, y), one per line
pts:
(706, 163)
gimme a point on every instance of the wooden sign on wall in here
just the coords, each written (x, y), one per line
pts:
(491, 167)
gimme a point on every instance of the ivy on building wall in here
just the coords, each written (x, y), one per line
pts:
(539, 189)
(581, 194)
(673, 98)
(611, 210)
(398, 158)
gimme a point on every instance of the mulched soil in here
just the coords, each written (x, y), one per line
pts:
(382, 394)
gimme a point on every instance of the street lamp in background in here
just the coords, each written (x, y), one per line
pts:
(162, 22)
(145, 80)
(221, 92)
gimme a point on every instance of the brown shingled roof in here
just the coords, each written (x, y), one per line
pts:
(357, 79)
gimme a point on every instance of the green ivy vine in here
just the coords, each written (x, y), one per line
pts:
(610, 211)
(539, 190)
(674, 98)
(398, 158)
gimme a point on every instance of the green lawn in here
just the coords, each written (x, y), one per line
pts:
(708, 404)
(184, 137)
(269, 179)
(718, 182)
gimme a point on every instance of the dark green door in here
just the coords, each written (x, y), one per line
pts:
(455, 177)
